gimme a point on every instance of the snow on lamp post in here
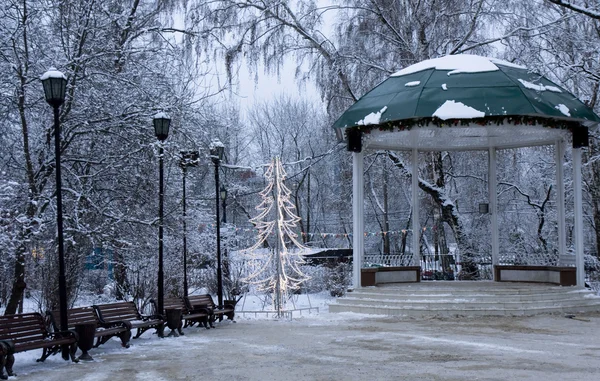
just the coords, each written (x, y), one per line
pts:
(216, 154)
(161, 123)
(55, 85)
(188, 159)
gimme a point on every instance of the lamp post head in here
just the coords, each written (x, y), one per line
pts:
(55, 85)
(217, 149)
(223, 193)
(161, 121)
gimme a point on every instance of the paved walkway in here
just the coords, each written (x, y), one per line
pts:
(350, 347)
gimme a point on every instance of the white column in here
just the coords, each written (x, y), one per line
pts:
(559, 152)
(416, 226)
(578, 211)
(358, 222)
(493, 199)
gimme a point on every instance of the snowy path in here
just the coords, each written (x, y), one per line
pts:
(348, 347)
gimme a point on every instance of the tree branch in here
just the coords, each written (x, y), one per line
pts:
(593, 13)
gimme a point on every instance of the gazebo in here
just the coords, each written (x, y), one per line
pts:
(460, 103)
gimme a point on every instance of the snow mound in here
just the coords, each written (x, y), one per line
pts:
(52, 73)
(372, 118)
(459, 63)
(564, 109)
(457, 110)
(539, 87)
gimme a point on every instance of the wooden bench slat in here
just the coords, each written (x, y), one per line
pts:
(100, 332)
(36, 344)
(26, 326)
(24, 336)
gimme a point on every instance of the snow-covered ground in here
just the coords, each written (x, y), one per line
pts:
(327, 346)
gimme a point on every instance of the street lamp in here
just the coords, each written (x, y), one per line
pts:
(55, 85)
(161, 123)
(188, 159)
(216, 154)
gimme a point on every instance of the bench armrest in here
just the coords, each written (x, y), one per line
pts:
(202, 308)
(61, 334)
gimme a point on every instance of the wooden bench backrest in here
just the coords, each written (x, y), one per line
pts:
(200, 300)
(115, 312)
(178, 303)
(23, 328)
(75, 316)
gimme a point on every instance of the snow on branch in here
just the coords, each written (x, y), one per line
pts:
(593, 13)
(538, 30)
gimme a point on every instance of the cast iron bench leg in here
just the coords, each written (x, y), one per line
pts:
(3, 376)
(125, 336)
(9, 361)
(47, 352)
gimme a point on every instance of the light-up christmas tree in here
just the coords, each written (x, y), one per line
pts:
(276, 271)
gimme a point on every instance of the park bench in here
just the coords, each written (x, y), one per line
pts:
(205, 301)
(188, 317)
(127, 313)
(87, 315)
(24, 332)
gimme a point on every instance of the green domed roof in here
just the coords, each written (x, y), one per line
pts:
(491, 87)
(468, 89)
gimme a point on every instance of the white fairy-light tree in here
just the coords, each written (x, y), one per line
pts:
(276, 271)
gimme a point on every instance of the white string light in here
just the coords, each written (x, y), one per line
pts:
(277, 271)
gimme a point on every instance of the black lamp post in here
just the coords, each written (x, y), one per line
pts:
(216, 154)
(55, 85)
(188, 159)
(223, 193)
(161, 130)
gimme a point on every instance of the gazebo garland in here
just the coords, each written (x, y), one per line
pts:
(408, 124)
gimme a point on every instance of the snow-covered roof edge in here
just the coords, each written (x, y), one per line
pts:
(458, 63)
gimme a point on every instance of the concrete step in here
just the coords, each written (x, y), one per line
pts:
(457, 288)
(465, 303)
(460, 312)
(467, 299)
(474, 297)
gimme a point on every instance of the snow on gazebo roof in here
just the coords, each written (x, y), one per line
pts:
(484, 102)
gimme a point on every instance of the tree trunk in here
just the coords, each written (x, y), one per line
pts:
(120, 274)
(18, 288)
(386, 217)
